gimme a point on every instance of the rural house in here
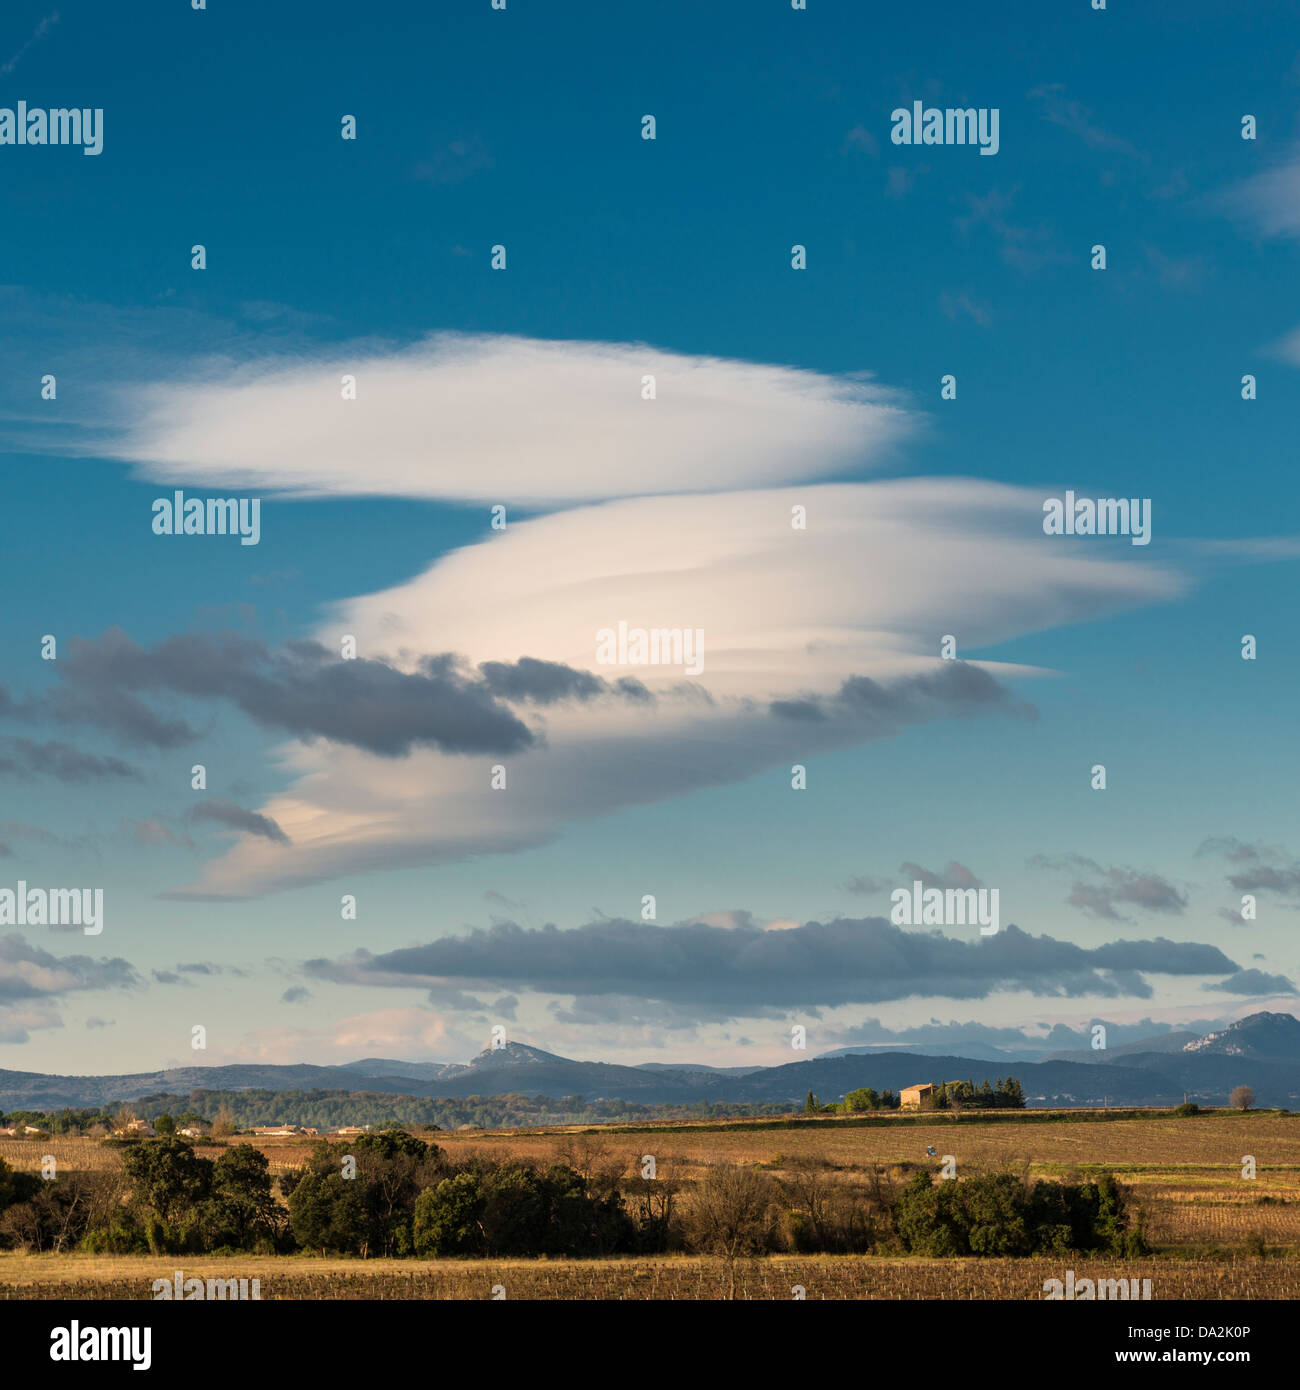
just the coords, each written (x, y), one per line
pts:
(916, 1097)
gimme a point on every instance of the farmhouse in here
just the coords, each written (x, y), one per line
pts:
(268, 1131)
(916, 1097)
(140, 1127)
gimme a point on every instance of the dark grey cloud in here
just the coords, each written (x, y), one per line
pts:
(954, 876)
(304, 689)
(728, 971)
(295, 994)
(170, 977)
(622, 1011)
(449, 997)
(301, 688)
(865, 883)
(207, 967)
(1268, 878)
(25, 757)
(1097, 889)
(239, 818)
(954, 689)
(29, 972)
(1259, 868)
(1228, 847)
(1252, 981)
(632, 689)
(505, 1007)
(539, 682)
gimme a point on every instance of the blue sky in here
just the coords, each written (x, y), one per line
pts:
(777, 387)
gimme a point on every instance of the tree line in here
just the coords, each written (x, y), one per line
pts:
(324, 1110)
(393, 1194)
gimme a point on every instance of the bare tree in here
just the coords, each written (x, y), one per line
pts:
(807, 1187)
(1242, 1098)
(652, 1200)
(731, 1214)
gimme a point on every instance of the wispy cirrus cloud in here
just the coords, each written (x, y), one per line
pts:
(38, 34)
(1267, 202)
(1059, 108)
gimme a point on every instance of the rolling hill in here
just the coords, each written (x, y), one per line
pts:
(1261, 1051)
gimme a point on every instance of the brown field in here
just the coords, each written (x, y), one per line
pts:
(1207, 1223)
(822, 1277)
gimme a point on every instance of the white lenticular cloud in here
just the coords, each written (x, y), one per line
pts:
(513, 420)
(882, 572)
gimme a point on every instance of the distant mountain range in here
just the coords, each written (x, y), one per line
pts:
(1261, 1051)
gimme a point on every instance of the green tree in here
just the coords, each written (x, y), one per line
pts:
(862, 1099)
(448, 1217)
(242, 1208)
(393, 1167)
(168, 1177)
(326, 1213)
(998, 1214)
(810, 1106)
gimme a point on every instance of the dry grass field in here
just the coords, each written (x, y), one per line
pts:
(1214, 1232)
(822, 1277)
